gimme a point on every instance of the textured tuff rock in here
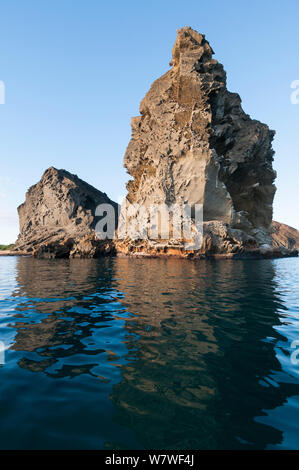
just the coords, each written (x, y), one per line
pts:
(58, 217)
(218, 238)
(285, 236)
(219, 241)
(194, 144)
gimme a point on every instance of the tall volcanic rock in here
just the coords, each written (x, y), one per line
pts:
(58, 218)
(194, 144)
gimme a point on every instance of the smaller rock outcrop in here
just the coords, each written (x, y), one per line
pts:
(57, 219)
(284, 236)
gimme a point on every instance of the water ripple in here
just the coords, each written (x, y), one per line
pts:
(165, 354)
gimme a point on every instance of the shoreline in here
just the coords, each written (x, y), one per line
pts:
(142, 255)
(13, 253)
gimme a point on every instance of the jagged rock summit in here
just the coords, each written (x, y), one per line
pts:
(193, 143)
(58, 219)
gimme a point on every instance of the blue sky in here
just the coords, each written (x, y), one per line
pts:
(76, 71)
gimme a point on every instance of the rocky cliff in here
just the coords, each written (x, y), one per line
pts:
(193, 143)
(58, 218)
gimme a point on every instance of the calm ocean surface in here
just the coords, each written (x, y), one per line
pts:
(149, 354)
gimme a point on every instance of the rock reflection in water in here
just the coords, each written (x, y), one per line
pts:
(160, 353)
(200, 354)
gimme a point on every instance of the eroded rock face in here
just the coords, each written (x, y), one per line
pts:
(58, 213)
(194, 144)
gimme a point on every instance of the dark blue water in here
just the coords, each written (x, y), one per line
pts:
(154, 354)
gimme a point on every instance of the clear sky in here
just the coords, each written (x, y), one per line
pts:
(75, 72)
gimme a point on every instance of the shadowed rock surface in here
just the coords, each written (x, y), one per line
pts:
(58, 217)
